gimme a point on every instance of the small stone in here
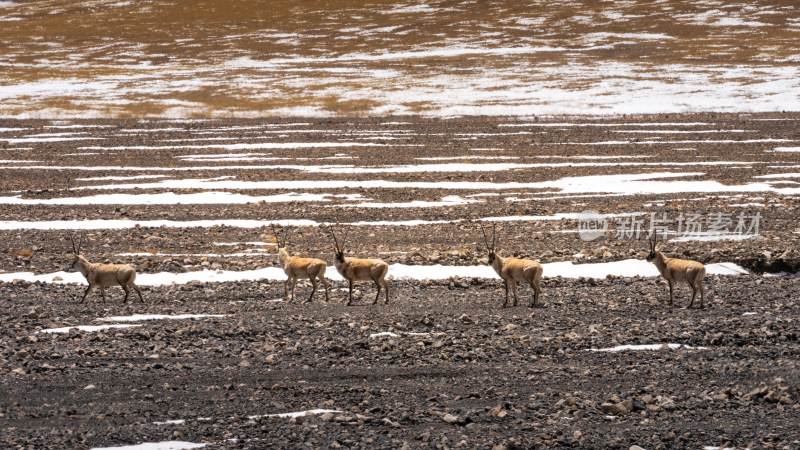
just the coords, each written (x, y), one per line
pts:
(772, 397)
(449, 418)
(327, 417)
(635, 447)
(628, 405)
(90, 387)
(390, 422)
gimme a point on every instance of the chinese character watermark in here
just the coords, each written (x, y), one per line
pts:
(686, 226)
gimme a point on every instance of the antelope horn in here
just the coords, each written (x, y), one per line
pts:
(335, 242)
(72, 241)
(485, 239)
(285, 236)
(494, 236)
(344, 239)
(277, 236)
(80, 243)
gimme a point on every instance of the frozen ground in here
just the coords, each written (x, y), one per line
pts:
(174, 134)
(216, 356)
(329, 59)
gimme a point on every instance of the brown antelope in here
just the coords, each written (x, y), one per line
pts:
(300, 268)
(512, 270)
(104, 275)
(353, 269)
(677, 270)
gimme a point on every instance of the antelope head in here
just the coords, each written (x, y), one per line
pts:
(338, 249)
(490, 248)
(652, 243)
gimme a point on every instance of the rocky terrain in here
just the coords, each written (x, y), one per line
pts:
(457, 371)
(441, 365)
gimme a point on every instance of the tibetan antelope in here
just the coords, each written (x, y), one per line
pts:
(103, 275)
(353, 269)
(300, 268)
(677, 270)
(512, 270)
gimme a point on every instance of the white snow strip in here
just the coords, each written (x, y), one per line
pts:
(197, 255)
(450, 200)
(163, 445)
(47, 139)
(418, 168)
(171, 198)
(689, 141)
(116, 224)
(680, 131)
(446, 158)
(749, 314)
(620, 348)
(566, 269)
(786, 149)
(65, 127)
(135, 177)
(491, 167)
(143, 317)
(709, 237)
(645, 86)
(780, 175)
(296, 414)
(623, 184)
(385, 333)
(99, 224)
(253, 146)
(87, 328)
(593, 157)
(605, 124)
(246, 243)
(171, 422)
(390, 334)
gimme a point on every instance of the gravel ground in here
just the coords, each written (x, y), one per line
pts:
(457, 370)
(476, 375)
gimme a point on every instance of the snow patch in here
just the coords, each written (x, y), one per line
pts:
(163, 445)
(171, 198)
(86, 328)
(171, 422)
(620, 348)
(296, 414)
(566, 269)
